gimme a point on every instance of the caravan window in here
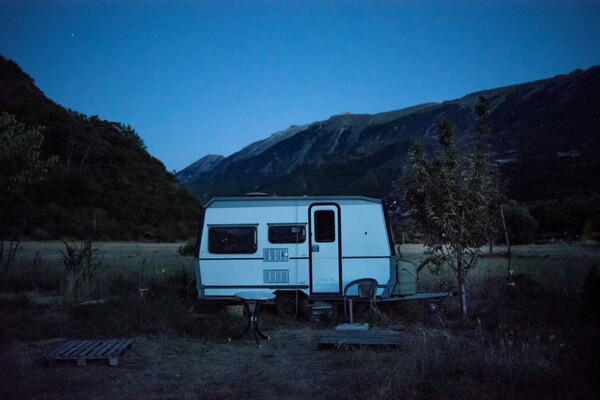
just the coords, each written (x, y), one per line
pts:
(287, 233)
(232, 240)
(325, 226)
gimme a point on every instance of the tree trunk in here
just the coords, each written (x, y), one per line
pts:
(70, 285)
(462, 293)
(6, 260)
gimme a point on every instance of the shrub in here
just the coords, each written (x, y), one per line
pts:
(188, 248)
(519, 222)
(591, 296)
(591, 230)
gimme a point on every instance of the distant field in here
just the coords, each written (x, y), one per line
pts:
(39, 265)
(556, 266)
(113, 255)
(558, 250)
(113, 252)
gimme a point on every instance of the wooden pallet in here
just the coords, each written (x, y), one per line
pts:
(341, 339)
(84, 350)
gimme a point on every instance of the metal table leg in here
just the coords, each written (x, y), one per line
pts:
(252, 308)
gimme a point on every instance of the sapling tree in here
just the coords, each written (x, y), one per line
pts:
(81, 264)
(454, 199)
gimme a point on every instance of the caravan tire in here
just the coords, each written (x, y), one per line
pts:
(289, 304)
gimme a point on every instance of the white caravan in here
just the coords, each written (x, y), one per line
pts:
(299, 248)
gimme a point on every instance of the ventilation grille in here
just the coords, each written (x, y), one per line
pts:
(275, 255)
(276, 276)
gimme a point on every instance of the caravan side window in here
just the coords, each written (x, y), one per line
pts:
(287, 233)
(232, 240)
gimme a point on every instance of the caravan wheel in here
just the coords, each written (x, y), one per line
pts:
(289, 304)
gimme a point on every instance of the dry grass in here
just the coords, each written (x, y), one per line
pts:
(433, 364)
(533, 342)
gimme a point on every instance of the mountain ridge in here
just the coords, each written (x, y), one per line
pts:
(470, 100)
(545, 140)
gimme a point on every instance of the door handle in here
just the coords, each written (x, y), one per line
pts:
(315, 248)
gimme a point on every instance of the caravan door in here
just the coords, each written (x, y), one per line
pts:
(325, 249)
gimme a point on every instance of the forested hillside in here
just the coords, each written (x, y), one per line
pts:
(104, 181)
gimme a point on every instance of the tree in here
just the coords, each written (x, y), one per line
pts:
(520, 224)
(454, 200)
(20, 167)
(20, 163)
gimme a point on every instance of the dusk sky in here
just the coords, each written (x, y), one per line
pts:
(210, 77)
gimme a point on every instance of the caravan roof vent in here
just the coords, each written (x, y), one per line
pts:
(257, 194)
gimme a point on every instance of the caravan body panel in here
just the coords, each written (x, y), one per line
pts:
(316, 245)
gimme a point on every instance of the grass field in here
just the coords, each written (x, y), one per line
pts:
(39, 265)
(558, 267)
(561, 267)
(539, 339)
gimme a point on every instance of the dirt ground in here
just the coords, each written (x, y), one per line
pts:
(434, 362)
(288, 366)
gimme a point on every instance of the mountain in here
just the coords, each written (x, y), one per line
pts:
(546, 142)
(206, 163)
(103, 182)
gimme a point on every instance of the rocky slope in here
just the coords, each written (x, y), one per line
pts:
(546, 140)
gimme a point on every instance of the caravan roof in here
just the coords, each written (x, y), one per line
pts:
(289, 198)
